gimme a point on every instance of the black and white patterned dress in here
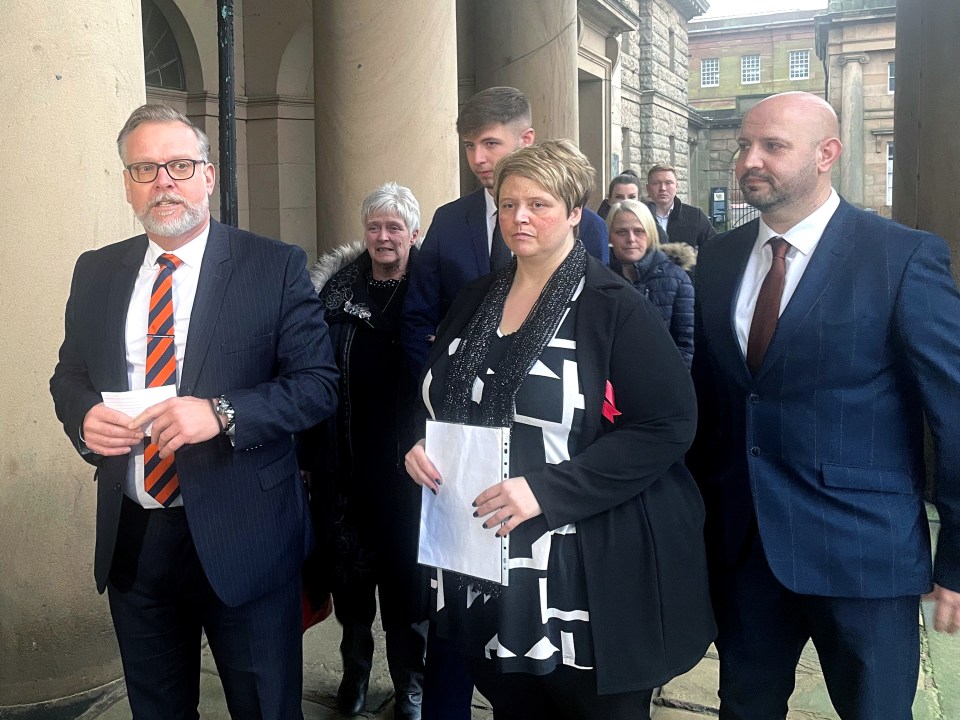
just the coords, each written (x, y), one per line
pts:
(541, 620)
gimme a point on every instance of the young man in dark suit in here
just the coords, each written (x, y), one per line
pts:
(203, 524)
(462, 243)
(825, 337)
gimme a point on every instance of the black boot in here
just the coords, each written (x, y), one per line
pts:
(406, 648)
(356, 648)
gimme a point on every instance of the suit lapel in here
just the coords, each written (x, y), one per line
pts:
(477, 223)
(828, 259)
(215, 273)
(115, 311)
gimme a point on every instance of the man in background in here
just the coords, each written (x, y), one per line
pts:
(464, 240)
(682, 222)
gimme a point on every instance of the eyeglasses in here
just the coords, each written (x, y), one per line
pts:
(177, 170)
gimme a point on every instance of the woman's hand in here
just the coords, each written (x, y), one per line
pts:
(511, 502)
(421, 469)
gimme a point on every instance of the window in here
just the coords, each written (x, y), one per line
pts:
(710, 72)
(749, 69)
(162, 66)
(890, 173)
(799, 64)
(891, 76)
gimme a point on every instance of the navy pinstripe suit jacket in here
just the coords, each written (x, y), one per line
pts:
(824, 446)
(258, 336)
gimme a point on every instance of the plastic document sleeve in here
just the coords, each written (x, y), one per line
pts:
(469, 459)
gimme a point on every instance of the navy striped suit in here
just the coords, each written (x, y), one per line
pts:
(258, 336)
(813, 469)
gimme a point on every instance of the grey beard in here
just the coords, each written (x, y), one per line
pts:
(194, 214)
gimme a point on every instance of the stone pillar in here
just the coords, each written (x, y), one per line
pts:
(386, 107)
(532, 45)
(926, 193)
(71, 78)
(851, 127)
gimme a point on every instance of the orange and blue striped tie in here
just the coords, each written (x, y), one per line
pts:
(160, 474)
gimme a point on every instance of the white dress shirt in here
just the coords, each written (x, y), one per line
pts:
(184, 291)
(803, 238)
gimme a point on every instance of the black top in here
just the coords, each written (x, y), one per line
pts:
(541, 619)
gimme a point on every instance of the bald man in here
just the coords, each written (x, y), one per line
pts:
(825, 336)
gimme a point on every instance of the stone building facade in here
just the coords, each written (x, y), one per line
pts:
(856, 42)
(844, 53)
(653, 111)
(734, 62)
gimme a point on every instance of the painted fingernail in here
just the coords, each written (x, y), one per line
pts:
(476, 513)
(438, 481)
(474, 503)
(433, 490)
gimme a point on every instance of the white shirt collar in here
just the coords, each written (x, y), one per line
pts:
(190, 254)
(805, 235)
(491, 203)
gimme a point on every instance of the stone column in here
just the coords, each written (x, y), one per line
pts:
(70, 79)
(851, 126)
(386, 107)
(926, 193)
(532, 45)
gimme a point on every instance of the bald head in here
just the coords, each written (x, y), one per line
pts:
(788, 146)
(803, 112)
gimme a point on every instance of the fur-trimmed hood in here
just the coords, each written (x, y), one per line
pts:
(681, 254)
(334, 261)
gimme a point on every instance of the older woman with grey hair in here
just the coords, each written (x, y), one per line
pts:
(352, 458)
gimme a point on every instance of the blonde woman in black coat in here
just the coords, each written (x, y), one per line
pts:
(608, 593)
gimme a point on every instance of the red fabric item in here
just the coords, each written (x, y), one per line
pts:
(609, 408)
(311, 617)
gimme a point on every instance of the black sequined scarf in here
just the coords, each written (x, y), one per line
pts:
(500, 389)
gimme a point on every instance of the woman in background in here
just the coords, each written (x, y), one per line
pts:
(353, 458)
(658, 271)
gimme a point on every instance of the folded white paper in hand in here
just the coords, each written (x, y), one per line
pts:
(134, 402)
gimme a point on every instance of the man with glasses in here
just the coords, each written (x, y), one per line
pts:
(202, 523)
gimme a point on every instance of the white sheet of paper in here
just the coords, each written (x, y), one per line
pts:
(134, 402)
(470, 459)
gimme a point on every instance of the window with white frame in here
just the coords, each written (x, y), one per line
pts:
(891, 76)
(710, 72)
(890, 173)
(749, 69)
(799, 64)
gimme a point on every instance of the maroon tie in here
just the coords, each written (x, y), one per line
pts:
(767, 311)
(160, 475)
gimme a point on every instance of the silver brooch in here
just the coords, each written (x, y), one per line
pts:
(358, 309)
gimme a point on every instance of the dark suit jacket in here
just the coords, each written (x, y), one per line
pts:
(824, 447)
(455, 252)
(687, 224)
(256, 335)
(638, 513)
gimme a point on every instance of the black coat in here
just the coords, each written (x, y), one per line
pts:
(687, 224)
(665, 283)
(639, 514)
(366, 509)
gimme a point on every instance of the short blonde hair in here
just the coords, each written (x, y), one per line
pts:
(556, 165)
(642, 213)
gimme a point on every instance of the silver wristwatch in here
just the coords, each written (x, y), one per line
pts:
(225, 407)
